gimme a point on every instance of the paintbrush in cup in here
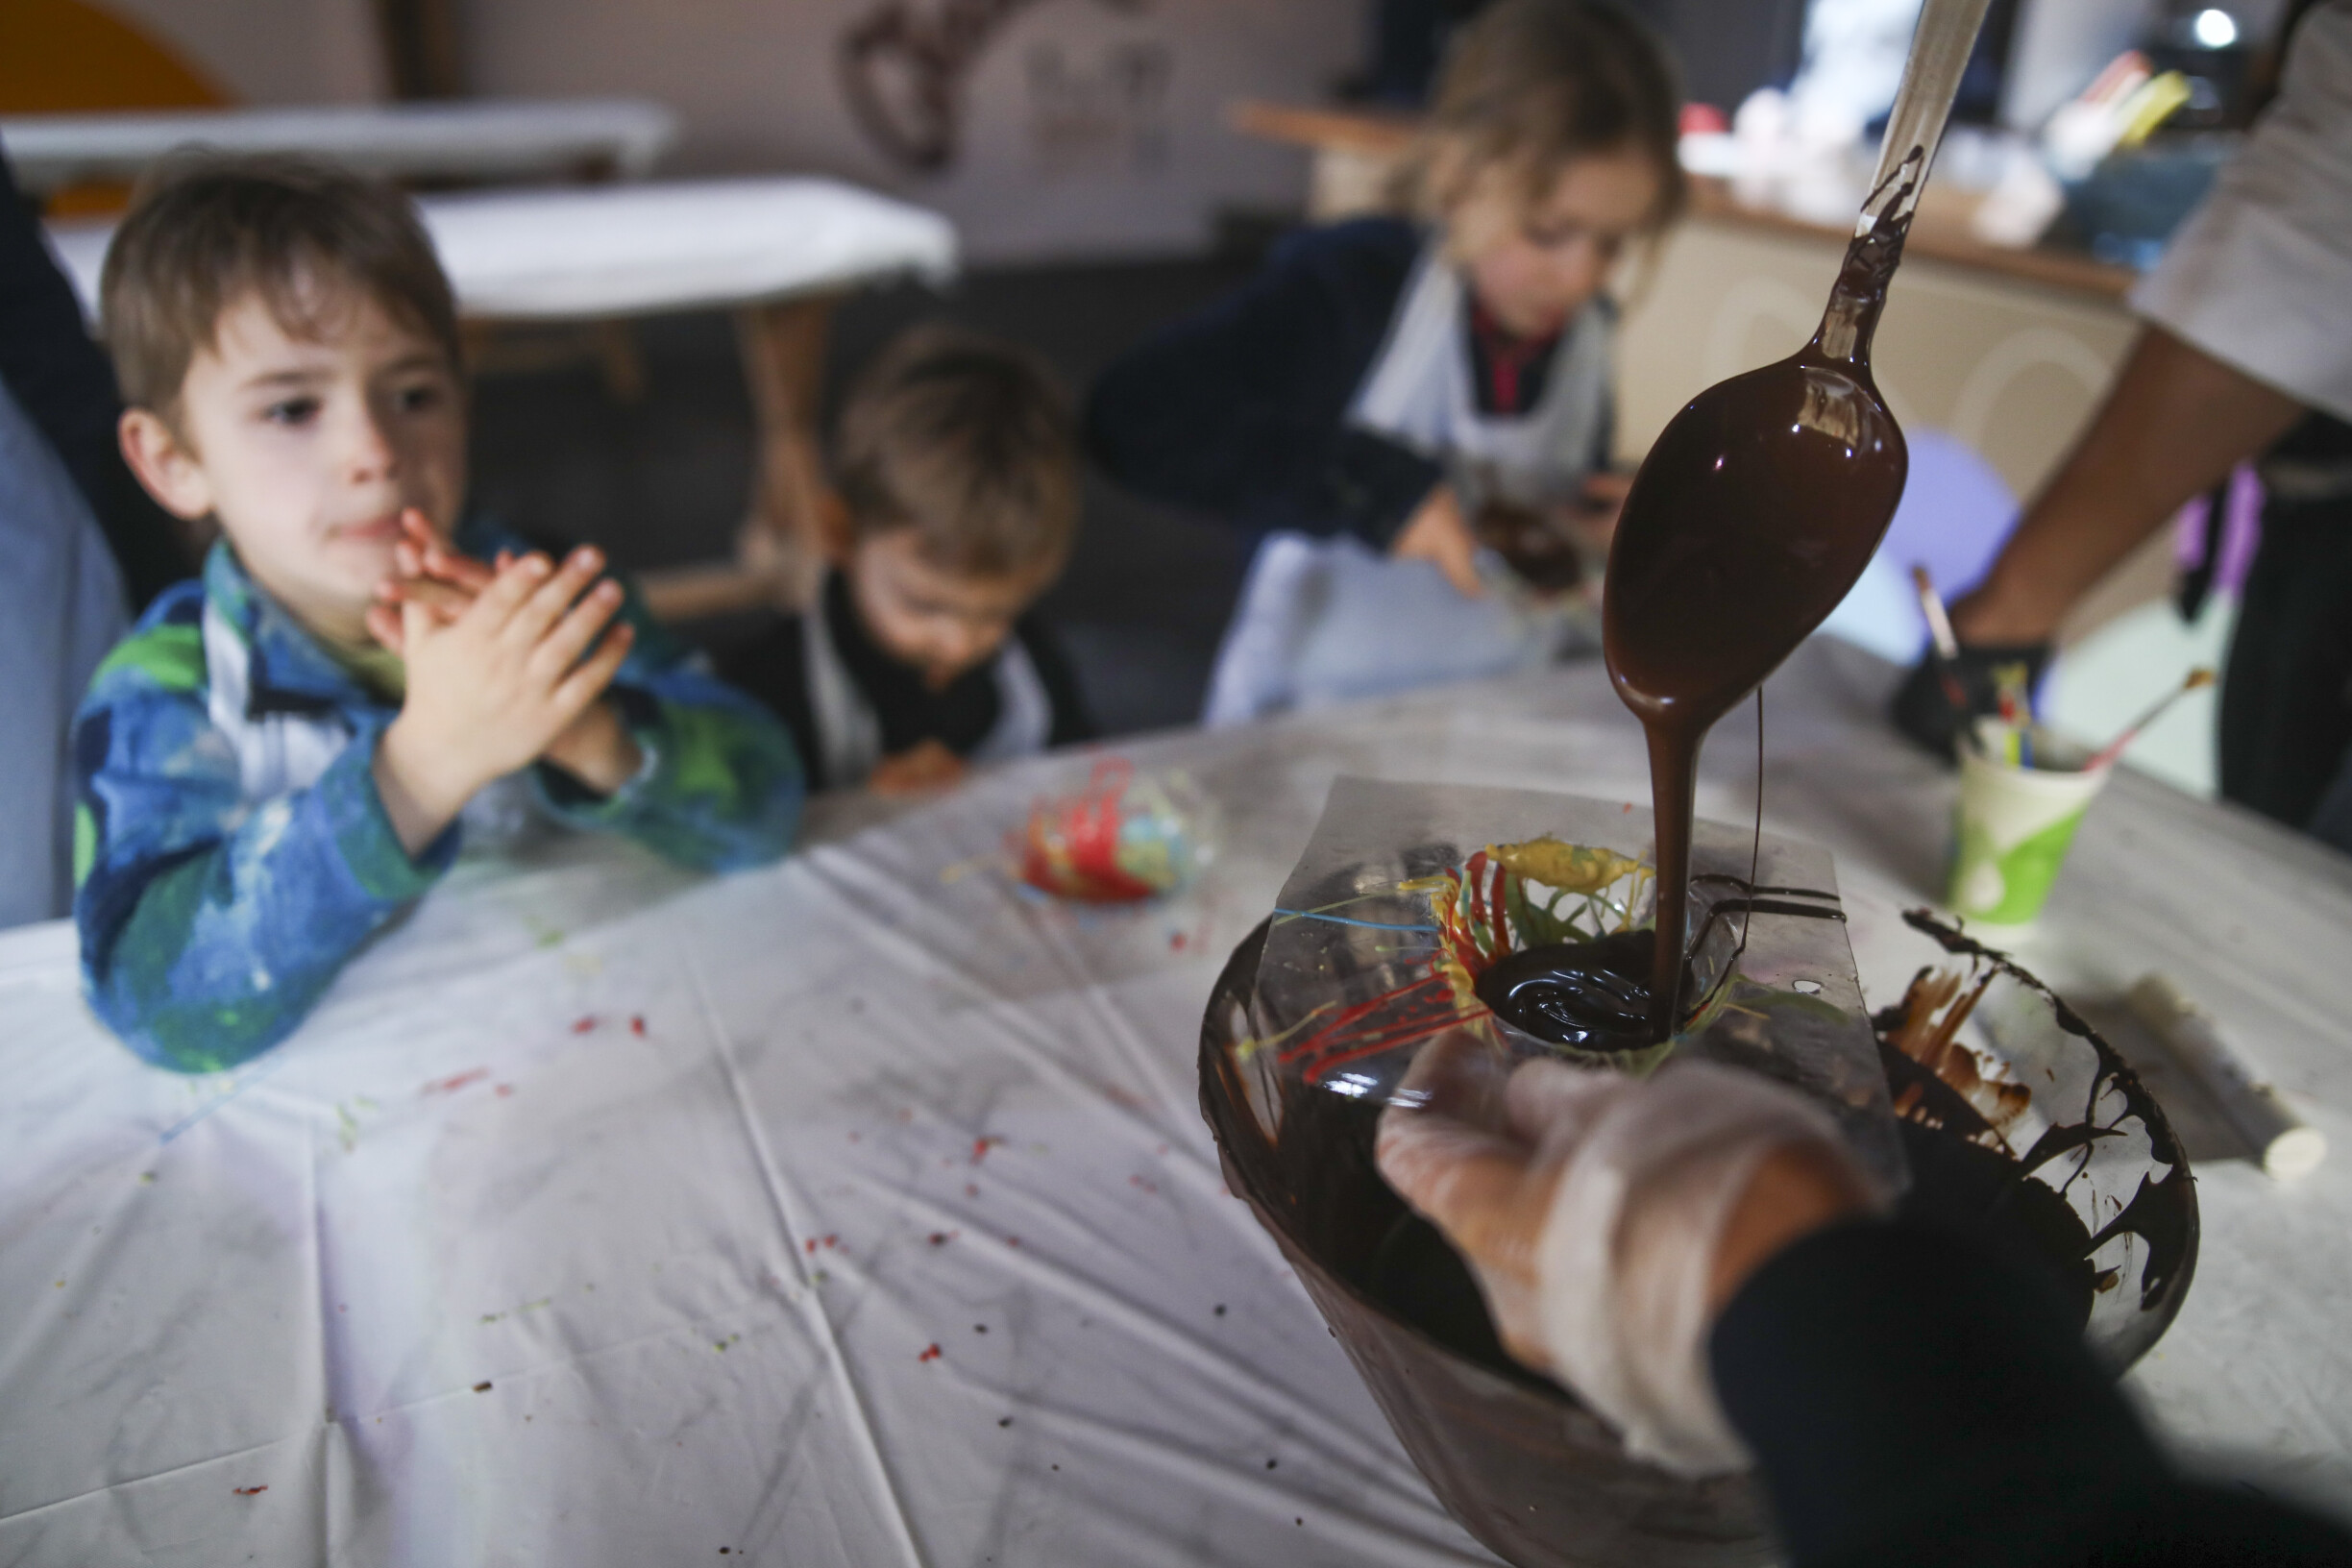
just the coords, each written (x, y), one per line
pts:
(1940, 635)
(2196, 678)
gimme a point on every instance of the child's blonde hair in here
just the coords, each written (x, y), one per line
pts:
(968, 442)
(1530, 85)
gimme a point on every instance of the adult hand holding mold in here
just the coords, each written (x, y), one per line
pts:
(1608, 1219)
(1696, 1257)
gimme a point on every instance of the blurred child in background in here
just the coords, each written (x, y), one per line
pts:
(1435, 389)
(958, 474)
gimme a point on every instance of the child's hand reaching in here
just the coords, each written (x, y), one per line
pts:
(500, 676)
(1440, 534)
(926, 765)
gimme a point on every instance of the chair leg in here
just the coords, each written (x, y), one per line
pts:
(784, 355)
(617, 358)
(779, 549)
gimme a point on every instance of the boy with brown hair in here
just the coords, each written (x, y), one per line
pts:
(276, 762)
(958, 472)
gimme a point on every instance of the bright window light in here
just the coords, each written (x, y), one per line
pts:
(2216, 29)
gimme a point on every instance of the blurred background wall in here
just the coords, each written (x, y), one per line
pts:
(1043, 128)
(270, 51)
(1046, 129)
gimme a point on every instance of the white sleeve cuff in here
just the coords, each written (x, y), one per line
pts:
(2257, 292)
(2261, 275)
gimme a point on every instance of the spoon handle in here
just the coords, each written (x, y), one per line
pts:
(1939, 49)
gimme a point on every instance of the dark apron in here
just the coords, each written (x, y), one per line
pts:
(2285, 732)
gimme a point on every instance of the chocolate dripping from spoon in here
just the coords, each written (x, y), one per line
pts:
(1756, 509)
(1802, 519)
(1762, 501)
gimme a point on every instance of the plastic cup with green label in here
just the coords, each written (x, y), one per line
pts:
(2023, 794)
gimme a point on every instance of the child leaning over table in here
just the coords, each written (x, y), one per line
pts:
(1391, 394)
(275, 761)
(958, 474)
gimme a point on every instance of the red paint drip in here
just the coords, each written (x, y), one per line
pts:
(930, 1354)
(249, 1491)
(1138, 1181)
(505, 1090)
(981, 1146)
(637, 1024)
(451, 1086)
(1401, 1016)
(581, 1026)
(1475, 931)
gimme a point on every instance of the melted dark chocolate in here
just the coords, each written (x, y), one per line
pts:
(1542, 555)
(1752, 515)
(1596, 995)
(1589, 995)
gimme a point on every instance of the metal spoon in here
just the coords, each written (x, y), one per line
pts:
(1763, 499)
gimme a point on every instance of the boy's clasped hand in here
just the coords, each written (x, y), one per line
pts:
(506, 665)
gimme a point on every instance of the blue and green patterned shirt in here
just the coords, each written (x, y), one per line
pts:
(232, 853)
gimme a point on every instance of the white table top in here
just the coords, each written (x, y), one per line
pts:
(477, 1269)
(587, 250)
(469, 140)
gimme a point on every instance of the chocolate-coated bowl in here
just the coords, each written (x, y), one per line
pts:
(1525, 1468)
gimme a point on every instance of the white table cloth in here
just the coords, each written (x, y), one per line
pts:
(858, 1211)
(473, 140)
(594, 251)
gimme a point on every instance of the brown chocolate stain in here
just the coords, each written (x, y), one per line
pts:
(1924, 1027)
(2162, 1214)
